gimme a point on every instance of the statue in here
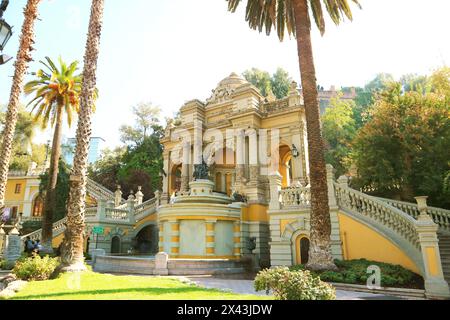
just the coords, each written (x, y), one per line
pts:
(201, 171)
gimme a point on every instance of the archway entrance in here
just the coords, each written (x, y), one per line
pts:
(147, 240)
(301, 249)
(285, 165)
(115, 245)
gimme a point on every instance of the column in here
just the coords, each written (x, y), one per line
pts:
(198, 143)
(211, 238)
(165, 188)
(240, 157)
(185, 167)
(275, 188)
(297, 162)
(161, 237)
(253, 156)
(435, 285)
(223, 183)
(175, 238)
(237, 239)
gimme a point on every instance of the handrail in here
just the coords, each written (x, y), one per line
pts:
(295, 197)
(97, 189)
(145, 205)
(440, 216)
(58, 227)
(379, 211)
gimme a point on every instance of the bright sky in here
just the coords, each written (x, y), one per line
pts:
(172, 51)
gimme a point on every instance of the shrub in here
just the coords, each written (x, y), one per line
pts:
(5, 265)
(35, 268)
(355, 272)
(293, 285)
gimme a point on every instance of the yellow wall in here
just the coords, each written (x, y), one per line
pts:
(11, 187)
(57, 240)
(360, 241)
(255, 212)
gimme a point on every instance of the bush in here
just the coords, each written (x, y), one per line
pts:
(35, 268)
(293, 285)
(355, 272)
(5, 265)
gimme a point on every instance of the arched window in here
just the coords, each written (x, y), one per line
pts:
(38, 205)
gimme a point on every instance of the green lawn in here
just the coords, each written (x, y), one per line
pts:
(95, 286)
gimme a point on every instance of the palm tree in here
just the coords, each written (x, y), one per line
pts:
(293, 16)
(72, 258)
(57, 92)
(21, 66)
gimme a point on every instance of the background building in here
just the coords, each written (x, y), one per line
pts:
(95, 149)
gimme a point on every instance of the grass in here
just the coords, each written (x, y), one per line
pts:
(95, 286)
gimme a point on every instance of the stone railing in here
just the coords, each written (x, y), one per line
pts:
(58, 228)
(378, 212)
(90, 212)
(98, 191)
(116, 214)
(32, 219)
(295, 197)
(276, 106)
(440, 216)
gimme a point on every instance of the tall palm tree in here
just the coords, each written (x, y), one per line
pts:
(57, 92)
(21, 66)
(293, 16)
(72, 257)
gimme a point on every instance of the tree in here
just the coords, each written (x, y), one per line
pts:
(293, 16)
(402, 152)
(146, 120)
(21, 66)
(72, 249)
(339, 130)
(278, 83)
(61, 190)
(24, 151)
(56, 92)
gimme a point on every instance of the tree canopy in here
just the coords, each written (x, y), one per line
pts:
(277, 84)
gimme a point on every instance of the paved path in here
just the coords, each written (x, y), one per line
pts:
(246, 287)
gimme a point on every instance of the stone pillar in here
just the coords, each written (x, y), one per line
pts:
(330, 182)
(118, 197)
(139, 196)
(158, 198)
(198, 143)
(435, 285)
(101, 209)
(161, 264)
(298, 177)
(253, 156)
(275, 180)
(165, 187)
(161, 236)
(13, 246)
(185, 167)
(175, 238)
(211, 237)
(237, 239)
(130, 205)
(240, 157)
(223, 183)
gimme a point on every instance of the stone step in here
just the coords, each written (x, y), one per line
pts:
(206, 271)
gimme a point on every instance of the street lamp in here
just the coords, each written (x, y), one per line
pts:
(5, 32)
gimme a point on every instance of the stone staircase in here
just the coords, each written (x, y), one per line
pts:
(444, 247)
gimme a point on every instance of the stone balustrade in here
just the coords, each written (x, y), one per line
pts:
(440, 216)
(295, 197)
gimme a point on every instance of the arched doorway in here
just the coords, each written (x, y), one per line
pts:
(301, 249)
(225, 164)
(147, 240)
(115, 245)
(285, 165)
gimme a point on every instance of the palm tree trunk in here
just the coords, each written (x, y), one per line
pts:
(72, 258)
(50, 195)
(21, 66)
(320, 257)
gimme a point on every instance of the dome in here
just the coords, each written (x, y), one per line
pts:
(232, 82)
(226, 87)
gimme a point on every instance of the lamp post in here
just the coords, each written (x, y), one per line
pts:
(5, 32)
